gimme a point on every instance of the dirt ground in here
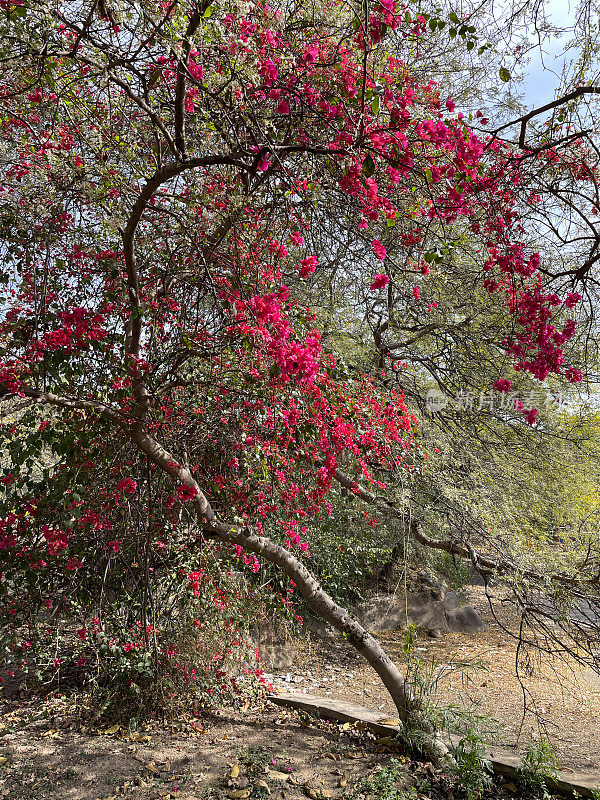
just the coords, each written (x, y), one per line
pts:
(559, 701)
(48, 754)
(49, 750)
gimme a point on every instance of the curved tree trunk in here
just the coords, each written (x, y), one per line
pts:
(408, 705)
(325, 607)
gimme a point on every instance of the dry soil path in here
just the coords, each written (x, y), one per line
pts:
(557, 701)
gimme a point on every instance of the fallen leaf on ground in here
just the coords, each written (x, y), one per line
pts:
(235, 771)
(138, 737)
(151, 767)
(111, 731)
(278, 776)
(238, 794)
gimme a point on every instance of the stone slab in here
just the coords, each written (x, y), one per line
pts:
(391, 611)
(504, 762)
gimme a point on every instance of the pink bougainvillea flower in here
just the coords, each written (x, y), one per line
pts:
(185, 492)
(308, 266)
(126, 486)
(531, 415)
(379, 282)
(574, 375)
(379, 249)
(311, 53)
(502, 385)
(264, 164)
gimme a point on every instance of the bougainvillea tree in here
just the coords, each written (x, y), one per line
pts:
(163, 167)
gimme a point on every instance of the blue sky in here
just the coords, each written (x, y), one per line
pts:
(542, 74)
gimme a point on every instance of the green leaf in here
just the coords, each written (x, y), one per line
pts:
(470, 45)
(375, 105)
(504, 74)
(452, 33)
(453, 17)
(428, 175)
(368, 166)
(433, 23)
(208, 12)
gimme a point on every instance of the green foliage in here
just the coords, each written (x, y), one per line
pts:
(347, 554)
(189, 660)
(538, 492)
(472, 768)
(456, 571)
(382, 784)
(539, 764)
(255, 758)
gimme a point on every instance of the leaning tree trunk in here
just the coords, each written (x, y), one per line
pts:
(408, 705)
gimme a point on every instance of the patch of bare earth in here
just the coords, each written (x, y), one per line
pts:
(556, 700)
(48, 751)
(48, 754)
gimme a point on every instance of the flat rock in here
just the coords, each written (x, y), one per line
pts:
(387, 612)
(276, 656)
